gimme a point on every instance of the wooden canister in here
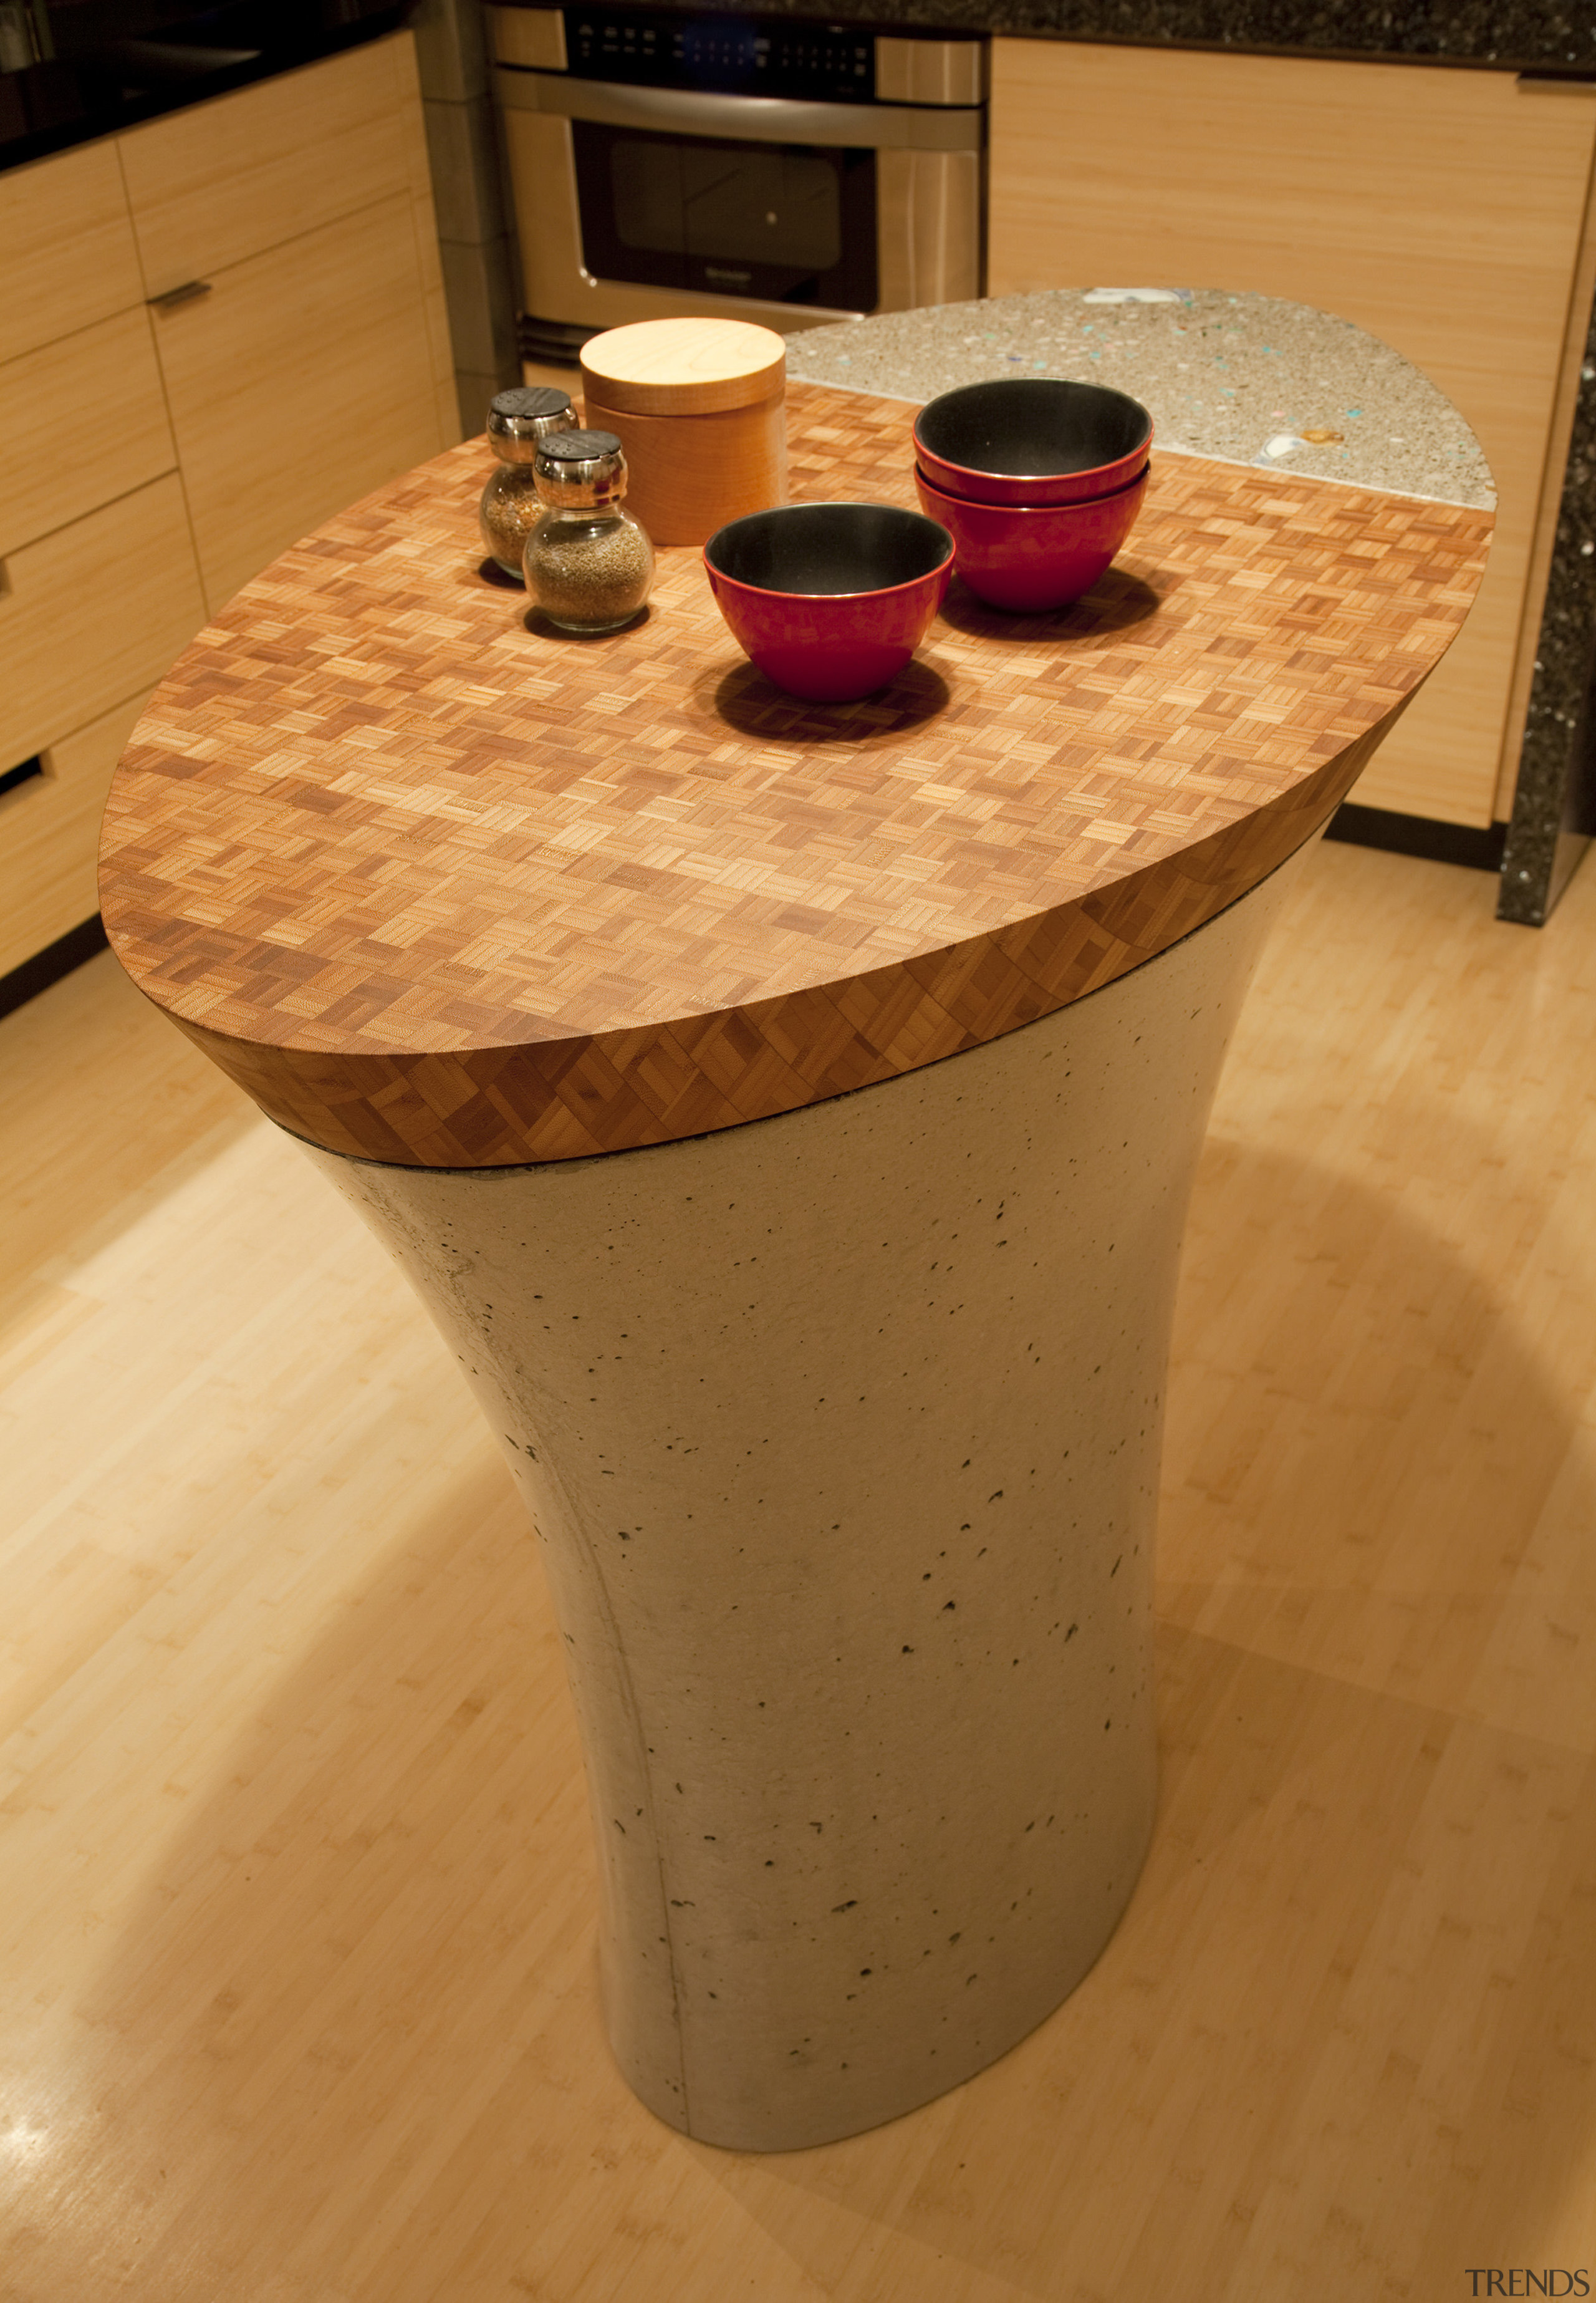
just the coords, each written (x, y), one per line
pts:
(700, 409)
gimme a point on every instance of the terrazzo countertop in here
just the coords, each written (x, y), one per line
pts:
(1250, 379)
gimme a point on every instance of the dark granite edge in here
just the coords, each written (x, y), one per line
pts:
(1528, 36)
(1554, 801)
(20, 151)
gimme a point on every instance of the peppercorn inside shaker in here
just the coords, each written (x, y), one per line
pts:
(588, 563)
(517, 421)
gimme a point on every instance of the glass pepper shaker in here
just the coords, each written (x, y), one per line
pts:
(588, 563)
(517, 421)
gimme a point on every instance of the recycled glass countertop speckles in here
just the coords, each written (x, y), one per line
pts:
(1225, 377)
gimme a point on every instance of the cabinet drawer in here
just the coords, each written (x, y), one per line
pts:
(92, 614)
(246, 172)
(302, 382)
(101, 384)
(67, 255)
(49, 834)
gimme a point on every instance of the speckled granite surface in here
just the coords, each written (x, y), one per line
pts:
(1554, 808)
(1521, 35)
(1248, 378)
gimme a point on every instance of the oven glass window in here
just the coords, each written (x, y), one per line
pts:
(788, 223)
(768, 207)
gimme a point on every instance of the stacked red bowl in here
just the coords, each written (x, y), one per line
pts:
(1038, 480)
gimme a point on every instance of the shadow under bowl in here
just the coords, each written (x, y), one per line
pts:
(829, 600)
(1026, 558)
(1032, 440)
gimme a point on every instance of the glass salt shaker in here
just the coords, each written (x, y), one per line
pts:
(517, 421)
(588, 563)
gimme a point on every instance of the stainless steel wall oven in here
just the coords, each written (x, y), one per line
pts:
(755, 168)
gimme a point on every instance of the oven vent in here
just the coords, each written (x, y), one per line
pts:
(557, 342)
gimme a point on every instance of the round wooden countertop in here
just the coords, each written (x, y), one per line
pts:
(442, 890)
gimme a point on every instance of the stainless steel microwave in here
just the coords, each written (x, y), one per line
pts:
(759, 168)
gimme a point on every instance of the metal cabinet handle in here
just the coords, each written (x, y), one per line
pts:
(190, 292)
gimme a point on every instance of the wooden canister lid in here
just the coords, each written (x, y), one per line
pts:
(684, 368)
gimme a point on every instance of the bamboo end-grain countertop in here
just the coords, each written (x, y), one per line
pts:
(439, 889)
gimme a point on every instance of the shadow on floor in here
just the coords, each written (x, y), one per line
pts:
(348, 2048)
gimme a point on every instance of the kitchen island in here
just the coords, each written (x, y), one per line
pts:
(1447, 209)
(787, 1114)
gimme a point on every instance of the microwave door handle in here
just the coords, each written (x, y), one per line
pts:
(743, 118)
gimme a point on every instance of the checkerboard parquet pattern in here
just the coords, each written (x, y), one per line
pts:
(439, 889)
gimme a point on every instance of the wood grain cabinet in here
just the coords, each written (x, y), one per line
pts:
(1444, 210)
(303, 381)
(317, 364)
(215, 331)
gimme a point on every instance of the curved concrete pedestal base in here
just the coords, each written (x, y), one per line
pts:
(841, 1432)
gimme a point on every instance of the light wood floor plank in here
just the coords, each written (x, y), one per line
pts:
(295, 1934)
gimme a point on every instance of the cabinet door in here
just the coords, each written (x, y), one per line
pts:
(1441, 210)
(54, 416)
(247, 172)
(91, 613)
(49, 830)
(302, 381)
(67, 257)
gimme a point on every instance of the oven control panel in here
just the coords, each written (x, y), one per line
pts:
(741, 55)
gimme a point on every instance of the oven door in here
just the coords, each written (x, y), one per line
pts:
(639, 202)
(788, 223)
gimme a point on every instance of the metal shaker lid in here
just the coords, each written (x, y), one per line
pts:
(531, 403)
(518, 418)
(577, 448)
(578, 468)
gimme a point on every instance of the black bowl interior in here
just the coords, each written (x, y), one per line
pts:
(1031, 426)
(828, 547)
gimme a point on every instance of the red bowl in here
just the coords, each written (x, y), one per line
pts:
(829, 600)
(1028, 557)
(1032, 440)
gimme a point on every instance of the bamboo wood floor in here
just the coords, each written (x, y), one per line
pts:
(297, 1972)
